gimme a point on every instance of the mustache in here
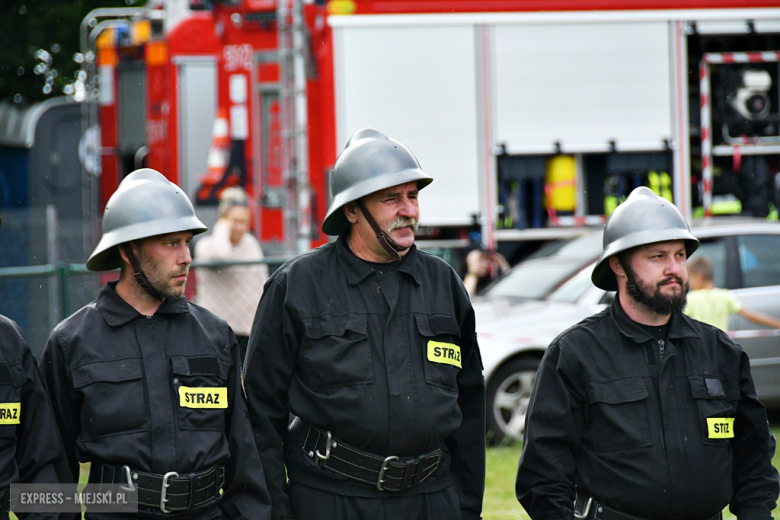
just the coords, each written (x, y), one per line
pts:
(401, 222)
(671, 279)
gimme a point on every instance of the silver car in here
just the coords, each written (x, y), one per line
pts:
(521, 313)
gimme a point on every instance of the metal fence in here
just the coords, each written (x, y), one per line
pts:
(39, 297)
(43, 279)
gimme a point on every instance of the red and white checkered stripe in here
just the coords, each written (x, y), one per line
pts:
(741, 57)
(706, 137)
(706, 115)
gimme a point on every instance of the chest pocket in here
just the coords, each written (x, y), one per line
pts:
(336, 351)
(440, 349)
(12, 379)
(617, 415)
(201, 393)
(113, 396)
(717, 403)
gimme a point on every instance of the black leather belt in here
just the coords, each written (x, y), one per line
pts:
(169, 493)
(385, 473)
(587, 508)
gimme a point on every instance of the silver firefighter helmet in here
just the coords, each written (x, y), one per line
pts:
(145, 204)
(370, 162)
(644, 218)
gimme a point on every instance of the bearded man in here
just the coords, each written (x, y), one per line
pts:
(370, 343)
(640, 412)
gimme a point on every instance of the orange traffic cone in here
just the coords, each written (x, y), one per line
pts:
(217, 159)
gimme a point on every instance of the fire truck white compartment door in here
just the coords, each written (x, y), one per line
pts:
(582, 85)
(197, 110)
(416, 84)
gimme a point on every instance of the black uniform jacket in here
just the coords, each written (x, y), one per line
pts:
(30, 447)
(344, 346)
(672, 439)
(114, 377)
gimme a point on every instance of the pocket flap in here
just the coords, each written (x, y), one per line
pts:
(711, 387)
(199, 366)
(108, 371)
(327, 325)
(12, 375)
(624, 390)
(437, 324)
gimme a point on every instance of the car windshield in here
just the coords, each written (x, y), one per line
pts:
(536, 277)
(573, 289)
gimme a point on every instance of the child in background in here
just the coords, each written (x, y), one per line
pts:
(712, 305)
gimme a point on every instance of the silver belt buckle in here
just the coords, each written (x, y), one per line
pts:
(164, 491)
(130, 487)
(319, 457)
(385, 462)
(584, 513)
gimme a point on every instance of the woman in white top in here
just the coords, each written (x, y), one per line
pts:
(232, 292)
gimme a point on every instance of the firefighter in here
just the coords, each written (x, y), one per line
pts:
(145, 385)
(640, 411)
(370, 344)
(31, 451)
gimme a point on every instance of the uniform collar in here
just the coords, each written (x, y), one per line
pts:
(679, 325)
(117, 312)
(356, 270)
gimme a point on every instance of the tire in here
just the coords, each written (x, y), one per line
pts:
(508, 393)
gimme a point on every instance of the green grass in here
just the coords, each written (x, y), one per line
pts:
(500, 502)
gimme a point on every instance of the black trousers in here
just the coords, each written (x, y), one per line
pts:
(313, 504)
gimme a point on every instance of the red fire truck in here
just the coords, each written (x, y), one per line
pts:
(528, 113)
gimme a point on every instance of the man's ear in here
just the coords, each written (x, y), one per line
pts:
(616, 266)
(133, 247)
(122, 254)
(350, 211)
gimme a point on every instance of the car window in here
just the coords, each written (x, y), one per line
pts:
(573, 289)
(540, 274)
(585, 246)
(759, 258)
(534, 279)
(715, 250)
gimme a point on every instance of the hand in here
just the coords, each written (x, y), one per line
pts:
(477, 263)
(498, 258)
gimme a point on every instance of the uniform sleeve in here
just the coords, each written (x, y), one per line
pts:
(755, 479)
(467, 444)
(54, 375)
(269, 368)
(246, 495)
(553, 430)
(39, 453)
(40, 456)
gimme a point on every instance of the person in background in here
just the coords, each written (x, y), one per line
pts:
(231, 292)
(478, 263)
(712, 305)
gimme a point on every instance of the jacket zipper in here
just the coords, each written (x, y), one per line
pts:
(661, 348)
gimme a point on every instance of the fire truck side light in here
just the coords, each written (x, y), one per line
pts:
(751, 100)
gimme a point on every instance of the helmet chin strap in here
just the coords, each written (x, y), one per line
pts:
(138, 274)
(385, 241)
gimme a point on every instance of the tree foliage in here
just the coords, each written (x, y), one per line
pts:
(43, 34)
